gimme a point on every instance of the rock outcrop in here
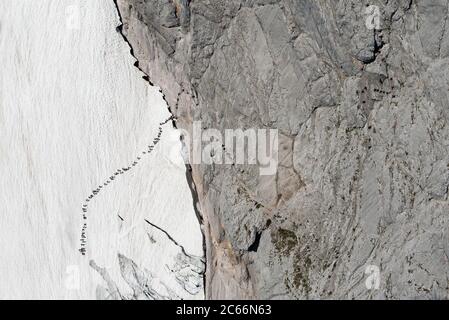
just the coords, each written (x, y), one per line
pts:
(358, 92)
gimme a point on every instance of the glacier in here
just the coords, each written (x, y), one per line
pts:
(89, 161)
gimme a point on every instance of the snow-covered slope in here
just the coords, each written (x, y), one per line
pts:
(75, 115)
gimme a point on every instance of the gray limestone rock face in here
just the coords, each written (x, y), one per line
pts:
(359, 94)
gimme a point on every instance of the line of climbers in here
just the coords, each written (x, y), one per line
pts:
(123, 170)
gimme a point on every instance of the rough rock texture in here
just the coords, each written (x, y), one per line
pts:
(362, 115)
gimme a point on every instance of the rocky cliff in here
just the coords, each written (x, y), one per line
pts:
(358, 92)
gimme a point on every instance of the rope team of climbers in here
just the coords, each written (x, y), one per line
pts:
(112, 177)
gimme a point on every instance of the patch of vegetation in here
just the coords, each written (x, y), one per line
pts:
(258, 205)
(285, 241)
(301, 274)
